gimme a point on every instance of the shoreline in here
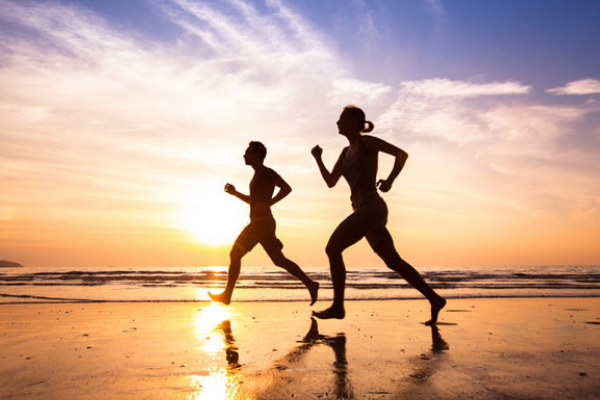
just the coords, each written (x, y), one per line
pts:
(250, 301)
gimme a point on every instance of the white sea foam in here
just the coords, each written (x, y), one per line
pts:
(115, 284)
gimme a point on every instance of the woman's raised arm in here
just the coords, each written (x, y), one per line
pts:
(330, 178)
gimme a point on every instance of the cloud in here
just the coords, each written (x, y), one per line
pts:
(460, 89)
(508, 153)
(443, 109)
(461, 113)
(95, 107)
(579, 87)
(232, 59)
(65, 65)
(352, 90)
(92, 110)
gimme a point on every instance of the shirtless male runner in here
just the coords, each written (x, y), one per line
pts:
(261, 228)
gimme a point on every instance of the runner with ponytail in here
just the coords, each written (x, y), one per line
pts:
(357, 163)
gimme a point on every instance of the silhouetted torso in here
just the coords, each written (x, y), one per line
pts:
(360, 171)
(262, 187)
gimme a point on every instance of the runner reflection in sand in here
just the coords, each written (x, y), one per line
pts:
(342, 387)
(293, 376)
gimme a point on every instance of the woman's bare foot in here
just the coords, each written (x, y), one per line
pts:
(436, 307)
(314, 292)
(221, 298)
(330, 313)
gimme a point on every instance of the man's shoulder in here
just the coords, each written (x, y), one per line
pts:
(270, 172)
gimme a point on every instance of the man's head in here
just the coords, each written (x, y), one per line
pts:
(255, 153)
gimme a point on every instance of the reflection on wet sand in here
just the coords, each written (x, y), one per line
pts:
(294, 374)
(214, 329)
(289, 379)
(176, 351)
(226, 382)
(427, 362)
(231, 350)
(337, 343)
(438, 344)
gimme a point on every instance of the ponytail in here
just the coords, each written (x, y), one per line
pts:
(369, 127)
(359, 115)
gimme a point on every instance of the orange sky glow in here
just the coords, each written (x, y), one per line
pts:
(115, 149)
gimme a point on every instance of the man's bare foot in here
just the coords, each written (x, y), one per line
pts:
(220, 298)
(330, 313)
(436, 307)
(314, 292)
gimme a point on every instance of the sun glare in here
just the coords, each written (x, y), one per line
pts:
(210, 317)
(211, 217)
(219, 383)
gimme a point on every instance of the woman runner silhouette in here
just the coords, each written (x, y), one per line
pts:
(358, 165)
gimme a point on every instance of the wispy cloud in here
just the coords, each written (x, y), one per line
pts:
(254, 66)
(579, 87)
(444, 109)
(346, 91)
(477, 148)
(459, 89)
(92, 110)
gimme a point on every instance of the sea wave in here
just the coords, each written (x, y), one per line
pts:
(269, 284)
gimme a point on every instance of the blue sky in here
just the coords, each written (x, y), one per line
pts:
(121, 121)
(419, 39)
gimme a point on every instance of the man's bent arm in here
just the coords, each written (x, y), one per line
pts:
(284, 190)
(243, 197)
(229, 188)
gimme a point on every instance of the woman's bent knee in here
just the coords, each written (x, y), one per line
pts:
(332, 250)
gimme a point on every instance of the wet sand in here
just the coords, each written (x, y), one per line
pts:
(483, 349)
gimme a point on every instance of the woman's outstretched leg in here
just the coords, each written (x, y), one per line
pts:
(281, 261)
(393, 260)
(346, 234)
(235, 265)
(338, 278)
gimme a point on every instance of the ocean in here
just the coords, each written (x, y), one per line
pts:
(179, 284)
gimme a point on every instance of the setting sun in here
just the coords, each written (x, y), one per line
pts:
(211, 217)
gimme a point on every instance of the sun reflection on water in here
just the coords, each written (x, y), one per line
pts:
(210, 317)
(214, 345)
(213, 330)
(219, 384)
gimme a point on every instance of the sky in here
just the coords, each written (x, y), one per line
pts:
(120, 123)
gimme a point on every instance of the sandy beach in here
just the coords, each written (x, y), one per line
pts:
(545, 348)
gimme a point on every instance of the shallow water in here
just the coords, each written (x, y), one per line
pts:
(114, 284)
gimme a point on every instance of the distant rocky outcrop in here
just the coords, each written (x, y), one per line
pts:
(9, 264)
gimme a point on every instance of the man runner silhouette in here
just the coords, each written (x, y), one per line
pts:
(261, 228)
